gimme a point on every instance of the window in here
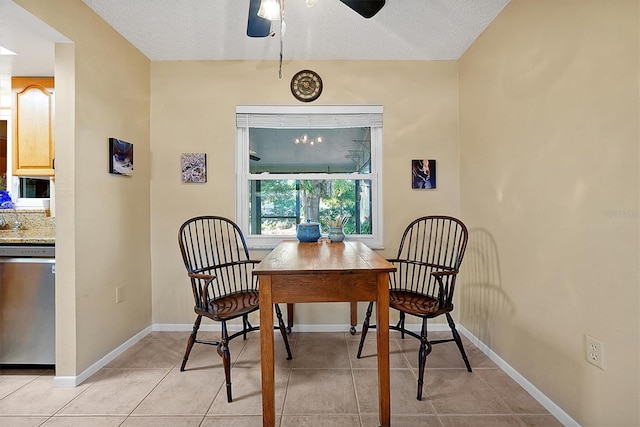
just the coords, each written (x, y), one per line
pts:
(26, 192)
(309, 163)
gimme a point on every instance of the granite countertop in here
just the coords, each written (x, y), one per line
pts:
(37, 227)
(28, 236)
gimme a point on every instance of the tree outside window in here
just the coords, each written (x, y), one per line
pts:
(290, 173)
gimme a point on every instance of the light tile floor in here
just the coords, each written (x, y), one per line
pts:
(324, 385)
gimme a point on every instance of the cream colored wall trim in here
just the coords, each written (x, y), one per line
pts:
(554, 409)
(339, 327)
(343, 327)
(74, 381)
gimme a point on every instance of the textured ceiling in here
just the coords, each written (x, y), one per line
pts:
(216, 30)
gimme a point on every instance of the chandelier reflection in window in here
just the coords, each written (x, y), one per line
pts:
(304, 139)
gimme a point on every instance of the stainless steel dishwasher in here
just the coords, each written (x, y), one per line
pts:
(27, 305)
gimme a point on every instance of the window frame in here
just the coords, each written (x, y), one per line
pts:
(13, 182)
(365, 116)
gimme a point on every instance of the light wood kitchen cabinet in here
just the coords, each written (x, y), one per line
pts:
(33, 144)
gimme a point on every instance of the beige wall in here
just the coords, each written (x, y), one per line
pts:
(102, 219)
(193, 110)
(549, 141)
(547, 165)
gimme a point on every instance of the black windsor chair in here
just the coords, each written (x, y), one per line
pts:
(216, 257)
(428, 261)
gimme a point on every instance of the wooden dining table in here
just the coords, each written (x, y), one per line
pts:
(322, 271)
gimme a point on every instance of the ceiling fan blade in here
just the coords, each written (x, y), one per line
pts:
(256, 25)
(366, 8)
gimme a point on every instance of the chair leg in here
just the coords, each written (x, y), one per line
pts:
(223, 351)
(458, 341)
(365, 328)
(283, 331)
(245, 322)
(290, 310)
(401, 324)
(425, 349)
(191, 341)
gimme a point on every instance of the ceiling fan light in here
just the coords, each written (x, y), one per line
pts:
(5, 51)
(269, 9)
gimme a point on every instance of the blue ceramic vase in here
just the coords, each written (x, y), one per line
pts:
(308, 231)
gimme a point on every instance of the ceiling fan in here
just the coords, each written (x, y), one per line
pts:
(259, 26)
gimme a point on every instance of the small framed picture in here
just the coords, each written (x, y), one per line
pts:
(120, 157)
(194, 167)
(423, 174)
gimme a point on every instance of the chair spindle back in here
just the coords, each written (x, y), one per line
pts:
(215, 246)
(430, 244)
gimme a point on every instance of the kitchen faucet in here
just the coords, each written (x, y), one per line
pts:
(16, 224)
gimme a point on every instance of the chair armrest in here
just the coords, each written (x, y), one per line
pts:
(208, 278)
(444, 273)
(440, 272)
(202, 276)
(441, 292)
(422, 264)
(210, 275)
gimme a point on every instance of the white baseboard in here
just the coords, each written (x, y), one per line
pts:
(554, 409)
(177, 327)
(74, 381)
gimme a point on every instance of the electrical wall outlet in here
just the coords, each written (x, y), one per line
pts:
(594, 351)
(119, 295)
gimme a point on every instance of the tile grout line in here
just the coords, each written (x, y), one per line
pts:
(79, 394)
(353, 380)
(286, 389)
(243, 351)
(149, 393)
(22, 386)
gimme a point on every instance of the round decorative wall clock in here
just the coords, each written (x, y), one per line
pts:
(306, 85)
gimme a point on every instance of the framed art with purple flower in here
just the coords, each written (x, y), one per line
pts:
(194, 167)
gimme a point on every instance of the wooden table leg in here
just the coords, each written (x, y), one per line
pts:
(266, 353)
(382, 322)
